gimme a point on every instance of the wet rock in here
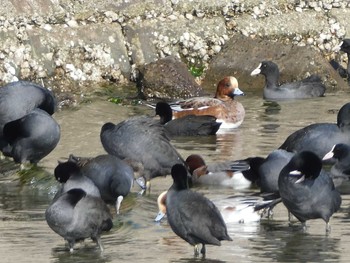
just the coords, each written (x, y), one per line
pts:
(156, 38)
(242, 55)
(167, 78)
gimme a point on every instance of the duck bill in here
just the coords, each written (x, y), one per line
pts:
(236, 92)
(300, 180)
(328, 156)
(256, 71)
(297, 173)
(159, 216)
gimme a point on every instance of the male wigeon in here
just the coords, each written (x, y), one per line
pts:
(223, 106)
(307, 88)
(228, 173)
(189, 125)
(234, 209)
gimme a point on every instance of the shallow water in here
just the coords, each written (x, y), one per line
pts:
(135, 237)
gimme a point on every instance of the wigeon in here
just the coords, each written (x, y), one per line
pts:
(234, 209)
(307, 190)
(306, 88)
(142, 142)
(189, 125)
(227, 173)
(192, 216)
(321, 137)
(223, 106)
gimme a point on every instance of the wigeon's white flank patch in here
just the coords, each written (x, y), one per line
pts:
(228, 125)
(203, 108)
(178, 108)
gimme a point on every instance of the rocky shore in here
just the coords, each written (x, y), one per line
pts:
(75, 47)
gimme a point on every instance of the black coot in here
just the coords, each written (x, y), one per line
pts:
(308, 191)
(74, 215)
(192, 216)
(307, 88)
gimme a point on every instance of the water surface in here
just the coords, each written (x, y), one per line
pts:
(135, 237)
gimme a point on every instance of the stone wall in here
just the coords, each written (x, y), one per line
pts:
(72, 45)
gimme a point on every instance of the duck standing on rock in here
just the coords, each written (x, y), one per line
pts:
(228, 111)
(307, 88)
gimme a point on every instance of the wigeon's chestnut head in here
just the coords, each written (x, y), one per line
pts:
(223, 106)
(227, 89)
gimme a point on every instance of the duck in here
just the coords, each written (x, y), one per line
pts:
(70, 176)
(192, 216)
(189, 125)
(223, 107)
(234, 209)
(340, 170)
(19, 98)
(113, 177)
(320, 137)
(31, 137)
(75, 216)
(143, 143)
(307, 88)
(228, 173)
(307, 190)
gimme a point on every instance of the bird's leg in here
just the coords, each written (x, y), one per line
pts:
(303, 224)
(196, 251)
(148, 186)
(328, 227)
(117, 204)
(71, 245)
(99, 243)
(290, 218)
(203, 250)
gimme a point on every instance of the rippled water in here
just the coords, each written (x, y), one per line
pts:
(135, 237)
